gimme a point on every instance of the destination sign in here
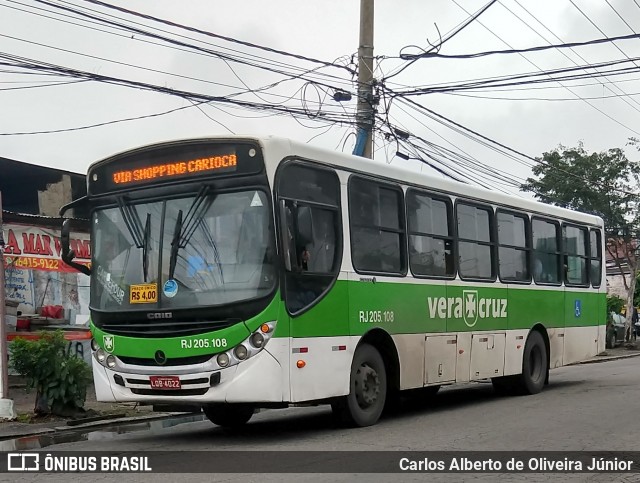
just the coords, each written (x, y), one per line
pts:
(227, 162)
(174, 162)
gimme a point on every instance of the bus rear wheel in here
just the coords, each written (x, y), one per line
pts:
(368, 389)
(228, 415)
(535, 365)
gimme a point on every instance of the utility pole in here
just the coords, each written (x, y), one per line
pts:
(364, 117)
(7, 410)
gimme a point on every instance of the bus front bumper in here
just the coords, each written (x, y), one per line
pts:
(258, 378)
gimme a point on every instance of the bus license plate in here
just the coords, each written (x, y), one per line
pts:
(164, 382)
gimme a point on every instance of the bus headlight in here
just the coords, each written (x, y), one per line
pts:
(257, 340)
(100, 355)
(241, 352)
(249, 347)
(111, 361)
(94, 345)
(223, 359)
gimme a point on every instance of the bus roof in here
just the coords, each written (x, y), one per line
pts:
(279, 148)
(406, 176)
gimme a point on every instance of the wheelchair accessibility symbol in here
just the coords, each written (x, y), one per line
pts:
(578, 308)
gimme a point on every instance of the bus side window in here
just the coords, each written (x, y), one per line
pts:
(310, 231)
(313, 240)
(547, 263)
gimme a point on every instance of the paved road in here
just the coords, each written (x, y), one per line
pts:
(585, 407)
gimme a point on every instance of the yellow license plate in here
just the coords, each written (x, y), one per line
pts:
(143, 294)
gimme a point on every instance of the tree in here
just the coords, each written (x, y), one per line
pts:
(605, 184)
(614, 304)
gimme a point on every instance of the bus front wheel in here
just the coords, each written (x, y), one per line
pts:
(534, 365)
(368, 389)
(228, 415)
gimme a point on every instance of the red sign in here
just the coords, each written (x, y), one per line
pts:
(164, 382)
(35, 248)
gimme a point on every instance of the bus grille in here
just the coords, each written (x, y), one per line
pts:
(179, 392)
(164, 329)
(176, 361)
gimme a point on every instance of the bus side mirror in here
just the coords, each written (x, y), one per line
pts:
(67, 254)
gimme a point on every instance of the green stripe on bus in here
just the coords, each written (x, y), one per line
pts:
(212, 342)
(354, 308)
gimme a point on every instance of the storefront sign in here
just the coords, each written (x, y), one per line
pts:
(35, 248)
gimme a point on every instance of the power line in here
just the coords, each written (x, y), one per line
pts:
(539, 69)
(626, 101)
(148, 69)
(125, 28)
(542, 76)
(527, 87)
(51, 84)
(472, 165)
(452, 33)
(620, 16)
(446, 140)
(538, 48)
(139, 31)
(195, 104)
(278, 110)
(548, 99)
(106, 123)
(485, 82)
(222, 37)
(485, 138)
(598, 28)
(47, 67)
(126, 64)
(465, 132)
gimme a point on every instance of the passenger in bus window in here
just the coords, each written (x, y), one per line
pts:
(537, 269)
(305, 256)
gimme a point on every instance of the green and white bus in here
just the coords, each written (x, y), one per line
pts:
(236, 273)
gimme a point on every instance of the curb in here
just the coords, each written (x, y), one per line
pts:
(91, 425)
(607, 359)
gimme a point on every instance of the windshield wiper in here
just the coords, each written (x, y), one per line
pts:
(140, 237)
(145, 247)
(183, 231)
(175, 245)
(131, 221)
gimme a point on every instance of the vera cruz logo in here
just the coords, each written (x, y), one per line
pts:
(108, 343)
(470, 307)
(470, 298)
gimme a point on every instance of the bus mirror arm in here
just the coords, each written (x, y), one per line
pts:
(73, 204)
(67, 254)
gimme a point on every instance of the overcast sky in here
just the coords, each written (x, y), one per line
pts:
(605, 118)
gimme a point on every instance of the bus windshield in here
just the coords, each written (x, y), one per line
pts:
(208, 249)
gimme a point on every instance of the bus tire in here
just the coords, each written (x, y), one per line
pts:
(534, 365)
(228, 415)
(367, 389)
